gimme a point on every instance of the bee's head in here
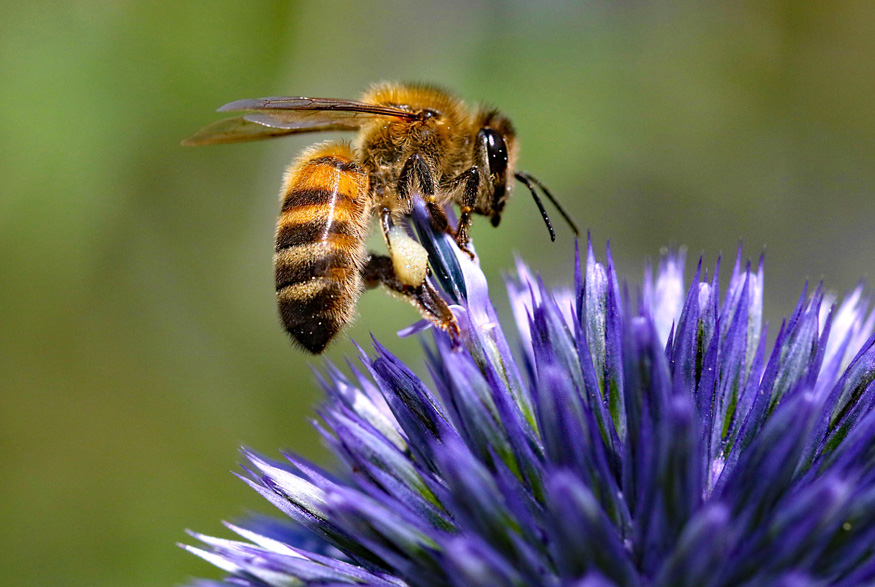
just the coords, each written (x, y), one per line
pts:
(496, 151)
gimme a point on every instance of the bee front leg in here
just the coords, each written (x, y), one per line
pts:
(471, 179)
(380, 270)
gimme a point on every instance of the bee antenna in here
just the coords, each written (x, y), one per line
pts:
(526, 178)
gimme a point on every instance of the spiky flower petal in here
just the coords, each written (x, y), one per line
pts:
(614, 441)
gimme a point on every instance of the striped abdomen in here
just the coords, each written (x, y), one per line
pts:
(320, 244)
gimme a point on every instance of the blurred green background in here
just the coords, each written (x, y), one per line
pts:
(138, 340)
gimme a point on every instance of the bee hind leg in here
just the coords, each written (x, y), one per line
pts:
(379, 270)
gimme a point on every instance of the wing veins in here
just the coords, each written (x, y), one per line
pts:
(301, 103)
(286, 115)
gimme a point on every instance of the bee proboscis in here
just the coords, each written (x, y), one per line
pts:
(411, 139)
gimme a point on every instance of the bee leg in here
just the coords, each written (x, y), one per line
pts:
(379, 270)
(416, 168)
(386, 225)
(409, 258)
(471, 179)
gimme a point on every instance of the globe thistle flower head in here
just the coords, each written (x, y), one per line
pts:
(615, 439)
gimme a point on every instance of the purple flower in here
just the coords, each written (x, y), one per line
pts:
(616, 439)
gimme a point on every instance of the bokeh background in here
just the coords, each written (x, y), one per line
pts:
(139, 346)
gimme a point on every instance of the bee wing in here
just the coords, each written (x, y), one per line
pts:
(275, 117)
(352, 108)
(241, 128)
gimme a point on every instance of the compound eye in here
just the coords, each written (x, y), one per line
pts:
(496, 157)
(496, 152)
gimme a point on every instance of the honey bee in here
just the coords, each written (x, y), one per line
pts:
(412, 139)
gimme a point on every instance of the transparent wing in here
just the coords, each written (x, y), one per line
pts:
(276, 117)
(300, 103)
(239, 129)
